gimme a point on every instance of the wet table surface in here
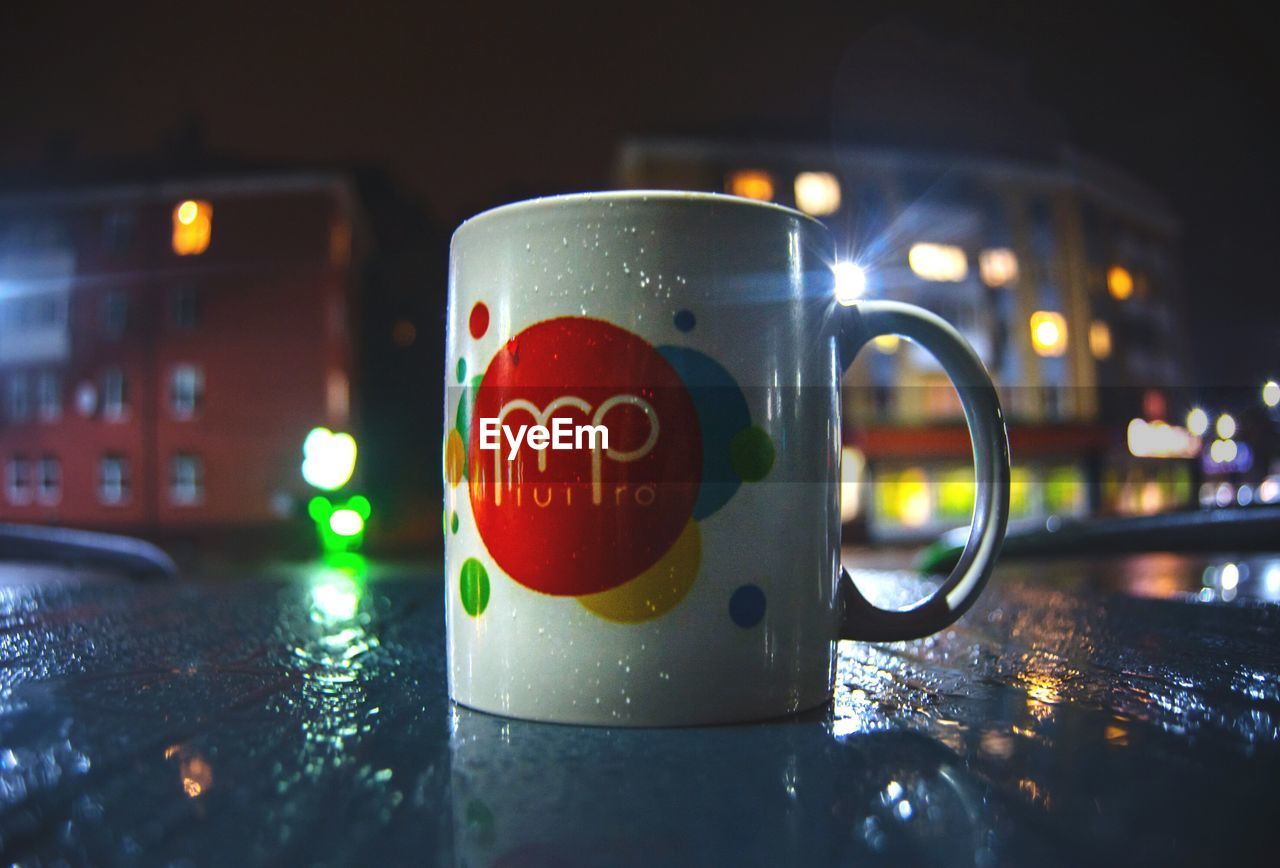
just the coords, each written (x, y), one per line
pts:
(1082, 713)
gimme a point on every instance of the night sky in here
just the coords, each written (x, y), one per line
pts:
(471, 104)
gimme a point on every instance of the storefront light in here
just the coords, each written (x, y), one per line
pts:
(1048, 333)
(817, 193)
(938, 262)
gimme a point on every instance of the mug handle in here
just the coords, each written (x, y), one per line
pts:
(864, 621)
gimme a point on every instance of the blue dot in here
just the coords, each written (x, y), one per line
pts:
(746, 606)
(685, 320)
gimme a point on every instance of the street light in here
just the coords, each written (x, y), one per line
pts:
(851, 282)
(1197, 421)
(1271, 393)
(1226, 426)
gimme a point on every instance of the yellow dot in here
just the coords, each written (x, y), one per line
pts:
(454, 457)
(658, 589)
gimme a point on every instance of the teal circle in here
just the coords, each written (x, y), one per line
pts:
(722, 412)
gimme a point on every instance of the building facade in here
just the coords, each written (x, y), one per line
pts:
(165, 348)
(1062, 275)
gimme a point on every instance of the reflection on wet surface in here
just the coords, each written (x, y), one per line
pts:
(1123, 709)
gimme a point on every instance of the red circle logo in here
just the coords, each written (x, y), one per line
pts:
(584, 518)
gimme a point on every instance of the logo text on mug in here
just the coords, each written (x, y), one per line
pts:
(562, 434)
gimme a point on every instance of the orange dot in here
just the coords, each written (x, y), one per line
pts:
(454, 457)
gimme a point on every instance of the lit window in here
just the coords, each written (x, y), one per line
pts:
(49, 396)
(998, 266)
(1048, 333)
(17, 398)
(1100, 339)
(186, 480)
(941, 262)
(184, 304)
(113, 479)
(817, 193)
(115, 313)
(113, 393)
(192, 227)
(186, 391)
(1119, 282)
(751, 184)
(49, 479)
(17, 480)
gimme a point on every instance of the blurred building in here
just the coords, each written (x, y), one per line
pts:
(165, 347)
(1061, 272)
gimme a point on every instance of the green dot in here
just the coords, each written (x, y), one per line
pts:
(751, 454)
(454, 523)
(474, 587)
(462, 370)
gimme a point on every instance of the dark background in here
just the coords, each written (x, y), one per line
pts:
(467, 105)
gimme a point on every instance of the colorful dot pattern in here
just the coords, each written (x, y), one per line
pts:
(735, 451)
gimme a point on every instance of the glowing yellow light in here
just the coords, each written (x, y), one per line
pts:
(913, 504)
(1161, 440)
(851, 282)
(1223, 451)
(941, 262)
(1100, 339)
(187, 212)
(817, 193)
(1271, 393)
(1048, 333)
(1226, 426)
(328, 459)
(346, 522)
(751, 184)
(1119, 282)
(887, 344)
(998, 266)
(1197, 421)
(192, 227)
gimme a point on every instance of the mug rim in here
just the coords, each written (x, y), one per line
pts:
(663, 197)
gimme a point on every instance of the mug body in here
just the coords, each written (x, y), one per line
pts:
(686, 573)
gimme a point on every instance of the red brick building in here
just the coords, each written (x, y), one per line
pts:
(165, 348)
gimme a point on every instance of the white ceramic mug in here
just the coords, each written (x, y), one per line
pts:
(688, 570)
